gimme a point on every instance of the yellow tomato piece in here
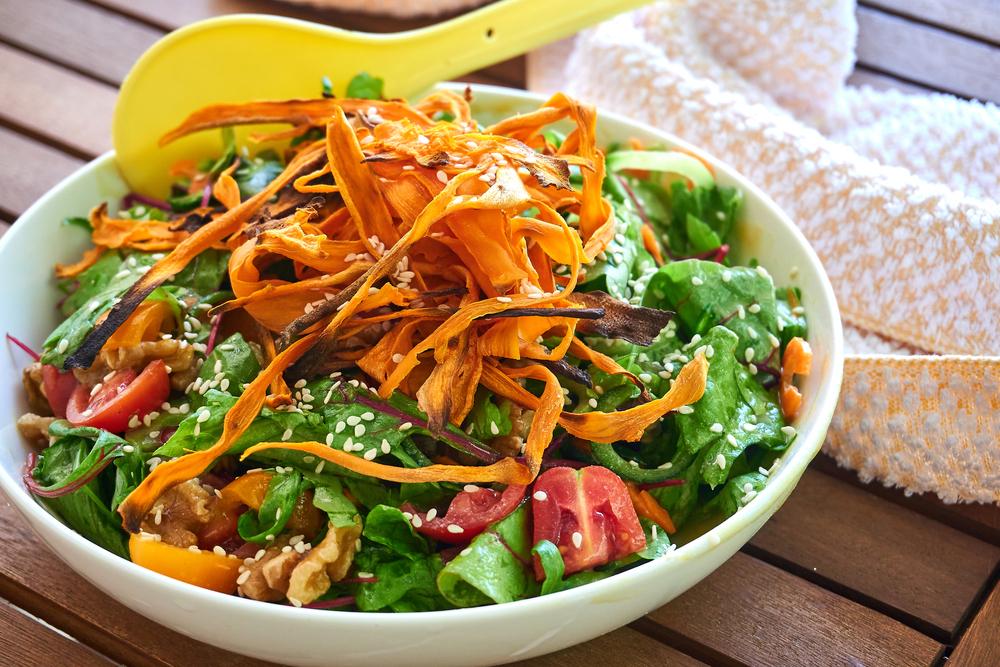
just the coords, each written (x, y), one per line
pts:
(202, 568)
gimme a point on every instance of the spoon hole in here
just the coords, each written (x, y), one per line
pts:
(489, 33)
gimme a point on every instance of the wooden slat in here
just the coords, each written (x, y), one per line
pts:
(862, 76)
(30, 170)
(37, 581)
(170, 15)
(749, 612)
(65, 108)
(621, 647)
(974, 17)
(827, 526)
(928, 55)
(83, 37)
(24, 642)
(980, 645)
(978, 520)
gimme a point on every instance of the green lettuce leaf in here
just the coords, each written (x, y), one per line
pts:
(276, 509)
(365, 86)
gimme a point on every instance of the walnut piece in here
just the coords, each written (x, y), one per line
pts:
(34, 389)
(180, 512)
(327, 562)
(268, 575)
(176, 354)
(34, 429)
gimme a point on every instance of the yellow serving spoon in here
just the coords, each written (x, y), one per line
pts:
(246, 57)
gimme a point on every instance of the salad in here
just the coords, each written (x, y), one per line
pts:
(393, 360)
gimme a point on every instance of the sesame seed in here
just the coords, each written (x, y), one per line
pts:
(696, 281)
(348, 444)
(540, 496)
(196, 431)
(685, 410)
(741, 312)
(455, 529)
(417, 521)
(653, 531)
(218, 551)
(133, 421)
(720, 461)
(494, 429)
(471, 488)
(286, 435)
(353, 420)
(727, 276)
(441, 176)
(762, 272)
(203, 416)
(788, 430)
(431, 514)
(752, 368)
(368, 416)
(748, 427)
(731, 439)
(386, 447)
(319, 467)
(752, 334)
(128, 449)
(329, 439)
(242, 579)
(397, 358)
(371, 454)
(577, 539)
(716, 428)
(405, 426)
(194, 549)
(184, 408)
(749, 354)
(592, 402)
(359, 430)
(339, 427)
(754, 308)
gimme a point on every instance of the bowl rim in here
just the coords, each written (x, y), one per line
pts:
(793, 462)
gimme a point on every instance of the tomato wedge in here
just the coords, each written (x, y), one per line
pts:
(123, 395)
(59, 386)
(202, 568)
(587, 514)
(469, 513)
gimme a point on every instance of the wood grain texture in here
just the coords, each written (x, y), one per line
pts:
(918, 569)
(34, 579)
(101, 43)
(980, 645)
(973, 17)
(621, 647)
(64, 108)
(170, 15)
(24, 642)
(976, 519)
(749, 612)
(928, 55)
(33, 170)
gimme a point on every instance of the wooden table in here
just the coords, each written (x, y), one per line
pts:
(845, 574)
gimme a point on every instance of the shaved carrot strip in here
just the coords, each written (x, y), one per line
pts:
(647, 507)
(797, 360)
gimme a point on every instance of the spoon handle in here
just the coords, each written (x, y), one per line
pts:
(490, 35)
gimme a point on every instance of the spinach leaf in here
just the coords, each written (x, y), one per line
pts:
(235, 361)
(205, 273)
(680, 500)
(339, 510)
(279, 502)
(494, 568)
(387, 526)
(791, 321)
(402, 584)
(365, 86)
(86, 510)
(734, 413)
(691, 221)
(736, 493)
(657, 541)
(705, 294)
(487, 420)
(254, 174)
(552, 564)
(82, 223)
(624, 259)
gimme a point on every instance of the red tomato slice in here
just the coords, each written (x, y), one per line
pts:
(587, 514)
(59, 386)
(469, 513)
(124, 394)
(221, 528)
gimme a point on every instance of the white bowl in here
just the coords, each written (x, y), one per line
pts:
(484, 635)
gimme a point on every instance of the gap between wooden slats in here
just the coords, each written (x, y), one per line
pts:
(749, 612)
(50, 103)
(31, 169)
(928, 55)
(886, 557)
(25, 642)
(978, 18)
(624, 646)
(979, 646)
